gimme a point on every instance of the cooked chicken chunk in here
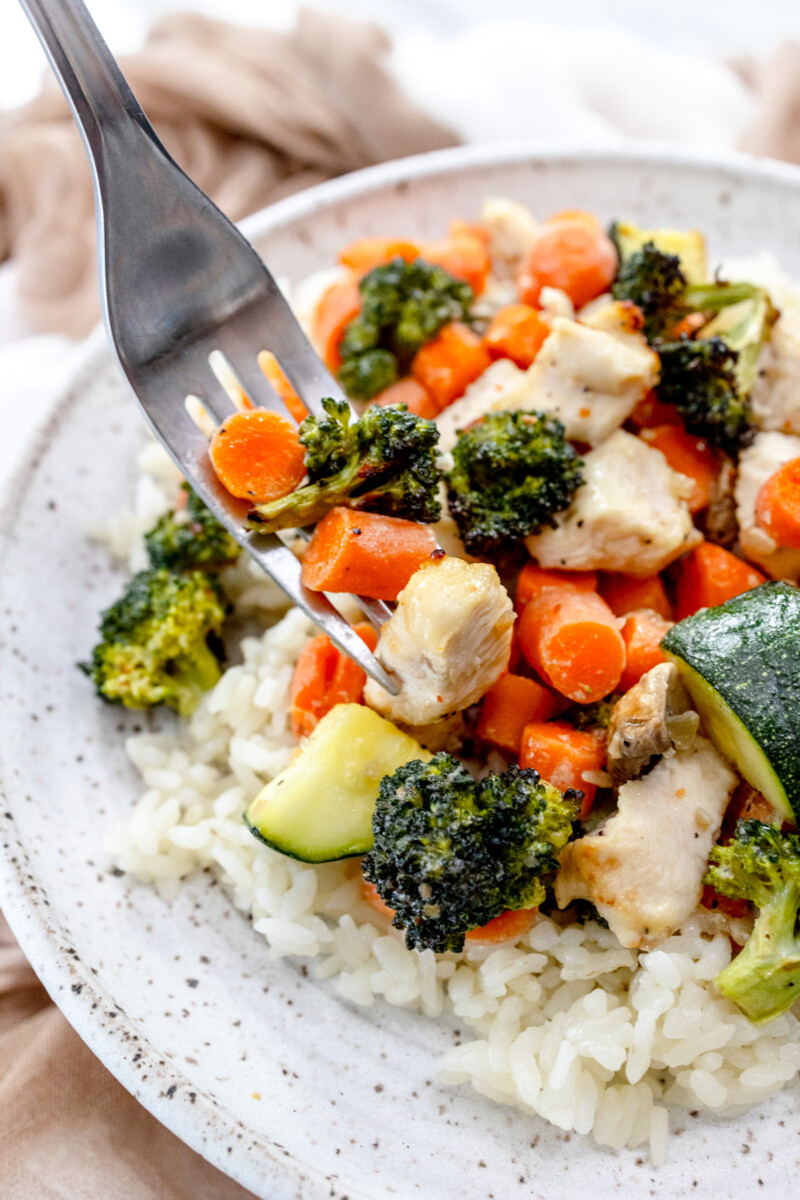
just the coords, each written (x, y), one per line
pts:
(767, 454)
(589, 376)
(502, 387)
(652, 718)
(512, 229)
(776, 395)
(630, 515)
(643, 869)
(446, 643)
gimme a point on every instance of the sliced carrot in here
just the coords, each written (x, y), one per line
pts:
(571, 253)
(650, 412)
(689, 455)
(709, 575)
(365, 553)
(337, 307)
(716, 902)
(562, 755)
(688, 326)
(572, 640)
(623, 594)
(448, 364)
(533, 579)
(509, 926)
(411, 393)
(325, 677)
(518, 332)
(281, 385)
(574, 214)
(642, 634)
(459, 228)
(365, 253)
(778, 505)
(464, 256)
(511, 704)
(502, 929)
(257, 455)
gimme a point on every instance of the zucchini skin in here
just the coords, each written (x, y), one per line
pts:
(748, 652)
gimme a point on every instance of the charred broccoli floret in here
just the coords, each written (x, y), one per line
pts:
(155, 641)
(700, 378)
(513, 472)
(451, 854)
(384, 462)
(655, 283)
(190, 537)
(762, 865)
(403, 305)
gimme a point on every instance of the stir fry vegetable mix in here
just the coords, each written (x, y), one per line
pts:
(601, 551)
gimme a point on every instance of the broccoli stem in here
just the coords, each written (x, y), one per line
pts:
(194, 676)
(764, 979)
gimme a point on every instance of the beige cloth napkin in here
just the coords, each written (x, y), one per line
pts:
(68, 1130)
(775, 131)
(250, 114)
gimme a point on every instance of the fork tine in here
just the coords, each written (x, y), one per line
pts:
(228, 380)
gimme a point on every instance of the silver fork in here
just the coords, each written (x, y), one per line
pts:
(178, 281)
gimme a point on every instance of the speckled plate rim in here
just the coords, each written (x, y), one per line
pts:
(71, 982)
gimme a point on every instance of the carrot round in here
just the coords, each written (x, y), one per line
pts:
(710, 575)
(518, 332)
(624, 594)
(281, 385)
(257, 455)
(411, 393)
(448, 364)
(689, 455)
(562, 755)
(323, 678)
(533, 579)
(337, 307)
(510, 924)
(365, 253)
(511, 704)
(571, 253)
(642, 634)
(365, 553)
(464, 255)
(572, 640)
(651, 412)
(778, 505)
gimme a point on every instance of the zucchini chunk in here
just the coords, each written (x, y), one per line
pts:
(320, 807)
(740, 662)
(688, 244)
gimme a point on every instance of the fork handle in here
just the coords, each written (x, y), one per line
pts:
(84, 66)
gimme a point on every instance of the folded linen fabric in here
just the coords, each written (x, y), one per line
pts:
(251, 114)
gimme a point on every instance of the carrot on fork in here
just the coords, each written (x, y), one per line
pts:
(257, 455)
(572, 639)
(365, 553)
(281, 385)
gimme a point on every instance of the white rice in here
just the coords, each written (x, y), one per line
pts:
(567, 1023)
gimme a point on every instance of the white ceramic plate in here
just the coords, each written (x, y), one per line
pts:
(180, 1002)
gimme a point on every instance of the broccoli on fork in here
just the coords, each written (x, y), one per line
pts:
(190, 537)
(384, 462)
(155, 641)
(403, 305)
(451, 854)
(762, 865)
(513, 472)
